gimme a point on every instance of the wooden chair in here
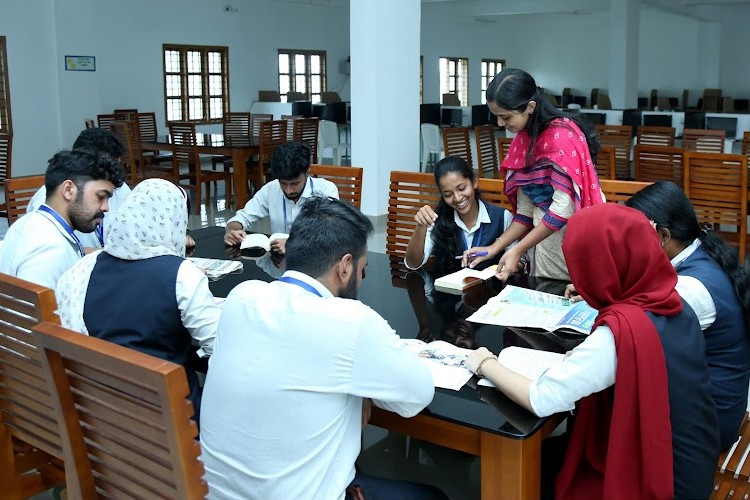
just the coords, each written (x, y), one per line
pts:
(409, 191)
(255, 120)
(503, 147)
(493, 191)
(236, 124)
(132, 159)
(456, 143)
(30, 443)
(746, 144)
(185, 151)
(124, 419)
(605, 163)
(348, 180)
(290, 119)
(104, 121)
(659, 163)
(656, 136)
(616, 191)
(486, 151)
(272, 134)
(6, 148)
(620, 137)
(125, 111)
(149, 133)
(703, 141)
(306, 130)
(732, 478)
(18, 194)
(716, 185)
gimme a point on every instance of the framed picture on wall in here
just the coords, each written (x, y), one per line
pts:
(80, 63)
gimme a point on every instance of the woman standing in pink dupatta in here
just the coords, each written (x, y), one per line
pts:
(549, 175)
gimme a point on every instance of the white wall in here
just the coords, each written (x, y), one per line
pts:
(734, 75)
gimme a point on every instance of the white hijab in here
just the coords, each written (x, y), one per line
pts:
(150, 223)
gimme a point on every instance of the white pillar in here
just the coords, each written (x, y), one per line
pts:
(384, 44)
(624, 20)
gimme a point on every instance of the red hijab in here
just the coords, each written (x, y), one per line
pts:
(621, 444)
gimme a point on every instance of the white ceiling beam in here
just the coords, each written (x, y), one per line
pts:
(481, 8)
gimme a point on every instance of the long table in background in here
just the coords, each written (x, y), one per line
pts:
(477, 420)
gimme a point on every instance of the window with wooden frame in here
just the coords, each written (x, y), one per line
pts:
(196, 83)
(454, 78)
(490, 68)
(5, 118)
(302, 71)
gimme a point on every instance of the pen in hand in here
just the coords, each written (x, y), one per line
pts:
(471, 255)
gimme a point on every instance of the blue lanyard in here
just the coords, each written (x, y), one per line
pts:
(283, 204)
(300, 283)
(66, 226)
(100, 232)
(477, 238)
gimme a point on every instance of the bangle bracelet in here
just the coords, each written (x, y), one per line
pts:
(479, 366)
(500, 238)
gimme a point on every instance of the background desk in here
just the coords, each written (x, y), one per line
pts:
(475, 420)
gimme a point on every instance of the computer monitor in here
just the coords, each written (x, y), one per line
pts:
(650, 120)
(451, 117)
(317, 110)
(742, 105)
(695, 119)
(335, 112)
(480, 115)
(429, 113)
(674, 103)
(643, 103)
(632, 117)
(579, 99)
(302, 108)
(728, 124)
(594, 118)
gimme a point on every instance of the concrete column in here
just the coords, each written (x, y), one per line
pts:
(384, 44)
(624, 21)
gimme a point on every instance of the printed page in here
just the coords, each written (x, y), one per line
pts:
(446, 362)
(530, 363)
(214, 268)
(521, 307)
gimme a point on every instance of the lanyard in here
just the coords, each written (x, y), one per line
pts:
(66, 226)
(100, 232)
(283, 203)
(477, 238)
(300, 283)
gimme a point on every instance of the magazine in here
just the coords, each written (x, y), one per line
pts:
(216, 268)
(522, 307)
(446, 362)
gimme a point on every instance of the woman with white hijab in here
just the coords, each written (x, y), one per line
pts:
(140, 291)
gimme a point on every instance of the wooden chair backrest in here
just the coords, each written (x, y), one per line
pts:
(6, 148)
(236, 124)
(493, 191)
(503, 147)
(456, 143)
(703, 141)
(256, 119)
(656, 136)
(732, 469)
(306, 130)
(105, 120)
(487, 163)
(716, 185)
(616, 191)
(124, 416)
(620, 137)
(605, 163)
(125, 111)
(409, 191)
(27, 411)
(290, 119)
(18, 194)
(147, 126)
(272, 134)
(659, 163)
(132, 157)
(184, 143)
(746, 144)
(348, 180)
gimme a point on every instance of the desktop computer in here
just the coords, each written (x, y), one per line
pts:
(429, 113)
(451, 117)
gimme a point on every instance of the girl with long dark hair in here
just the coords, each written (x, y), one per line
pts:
(460, 220)
(549, 174)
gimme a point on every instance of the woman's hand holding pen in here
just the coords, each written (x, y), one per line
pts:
(475, 255)
(570, 293)
(425, 216)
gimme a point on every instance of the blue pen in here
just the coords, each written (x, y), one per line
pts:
(472, 255)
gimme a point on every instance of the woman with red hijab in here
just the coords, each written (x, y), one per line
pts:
(549, 174)
(646, 425)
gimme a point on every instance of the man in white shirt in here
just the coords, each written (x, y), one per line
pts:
(41, 245)
(281, 199)
(103, 142)
(294, 360)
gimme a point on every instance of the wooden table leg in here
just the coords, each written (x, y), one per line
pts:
(239, 159)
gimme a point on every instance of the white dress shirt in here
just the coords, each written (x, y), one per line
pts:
(89, 240)
(38, 249)
(282, 405)
(693, 291)
(270, 202)
(198, 309)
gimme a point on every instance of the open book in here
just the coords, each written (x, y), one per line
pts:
(531, 363)
(446, 362)
(458, 282)
(522, 307)
(256, 245)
